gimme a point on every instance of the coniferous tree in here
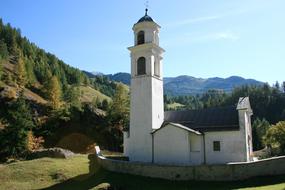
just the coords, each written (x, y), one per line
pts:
(118, 117)
(1, 68)
(54, 92)
(30, 76)
(72, 96)
(21, 71)
(120, 110)
(277, 85)
(13, 139)
(3, 50)
(105, 105)
(259, 129)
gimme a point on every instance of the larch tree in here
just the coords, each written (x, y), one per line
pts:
(1, 68)
(120, 109)
(118, 117)
(54, 92)
(21, 71)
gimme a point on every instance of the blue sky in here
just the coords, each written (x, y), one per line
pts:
(201, 38)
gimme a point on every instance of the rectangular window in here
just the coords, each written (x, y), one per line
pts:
(217, 146)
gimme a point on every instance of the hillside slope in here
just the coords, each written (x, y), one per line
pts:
(88, 94)
(23, 65)
(58, 99)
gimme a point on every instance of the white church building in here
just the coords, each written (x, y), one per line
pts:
(190, 137)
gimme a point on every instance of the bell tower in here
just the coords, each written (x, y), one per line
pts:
(147, 111)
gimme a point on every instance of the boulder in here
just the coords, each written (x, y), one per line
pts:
(102, 186)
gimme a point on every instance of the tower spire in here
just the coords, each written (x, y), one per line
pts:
(146, 7)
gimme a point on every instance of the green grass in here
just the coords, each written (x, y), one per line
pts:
(175, 105)
(81, 173)
(88, 94)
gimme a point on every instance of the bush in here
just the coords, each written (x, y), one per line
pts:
(34, 143)
(275, 136)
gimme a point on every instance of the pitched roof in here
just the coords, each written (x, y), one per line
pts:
(179, 126)
(211, 119)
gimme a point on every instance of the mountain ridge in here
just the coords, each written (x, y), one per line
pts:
(189, 85)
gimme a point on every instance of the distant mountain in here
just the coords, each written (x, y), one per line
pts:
(184, 85)
(97, 73)
(89, 74)
(93, 74)
(121, 77)
(187, 85)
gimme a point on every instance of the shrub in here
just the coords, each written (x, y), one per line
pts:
(34, 143)
(275, 136)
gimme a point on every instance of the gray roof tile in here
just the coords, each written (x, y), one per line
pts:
(211, 119)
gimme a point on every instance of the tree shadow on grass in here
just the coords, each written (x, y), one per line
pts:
(120, 181)
(85, 181)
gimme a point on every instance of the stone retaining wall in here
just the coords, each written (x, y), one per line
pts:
(227, 172)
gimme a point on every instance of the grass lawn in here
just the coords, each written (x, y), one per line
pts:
(78, 173)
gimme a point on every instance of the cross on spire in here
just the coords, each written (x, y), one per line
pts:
(146, 7)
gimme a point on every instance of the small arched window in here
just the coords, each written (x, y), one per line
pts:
(141, 67)
(140, 38)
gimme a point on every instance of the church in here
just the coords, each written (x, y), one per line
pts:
(189, 137)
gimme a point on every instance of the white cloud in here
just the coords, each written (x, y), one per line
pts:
(226, 35)
(192, 20)
(205, 18)
(186, 39)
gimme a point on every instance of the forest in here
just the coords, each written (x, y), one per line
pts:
(45, 103)
(43, 100)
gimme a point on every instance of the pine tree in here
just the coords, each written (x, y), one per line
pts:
(13, 140)
(21, 71)
(277, 85)
(9, 79)
(72, 96)
(259, 129)
(30, 75)
(105, 104)
(1, 68)
(54, 92)
(120, 108)
(3, 49)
